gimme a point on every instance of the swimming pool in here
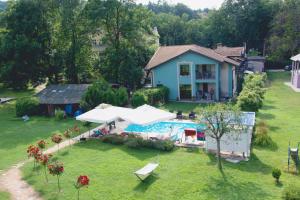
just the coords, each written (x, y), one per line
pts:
(172, 129)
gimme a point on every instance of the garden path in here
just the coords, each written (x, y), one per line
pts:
(11, 180)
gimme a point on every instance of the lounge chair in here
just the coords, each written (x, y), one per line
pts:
(25, 118)
(179, 115)
(146, 171)
(192, 115)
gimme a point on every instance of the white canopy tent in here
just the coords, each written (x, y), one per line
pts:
(105, 115)
(142, 115)
(146, 114)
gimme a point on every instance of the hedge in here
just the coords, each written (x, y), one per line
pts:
(150, 96)
(252, 95)
(27, 106)
(136, 142)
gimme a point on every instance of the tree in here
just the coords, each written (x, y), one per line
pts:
(284, 39)
(126, 30)
(75, 43)
(221, 119)
(239, 21)
(25, 46)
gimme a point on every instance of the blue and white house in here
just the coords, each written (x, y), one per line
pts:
(192, 72)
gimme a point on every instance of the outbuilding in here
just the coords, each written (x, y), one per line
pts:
(64, 96)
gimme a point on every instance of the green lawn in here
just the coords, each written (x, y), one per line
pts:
(4, 196)
(16, 135)
(183, 174)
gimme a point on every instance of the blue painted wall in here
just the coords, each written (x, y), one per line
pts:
(166, 74)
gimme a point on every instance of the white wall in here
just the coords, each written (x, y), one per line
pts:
(234, 142)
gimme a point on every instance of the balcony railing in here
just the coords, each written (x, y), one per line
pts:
(205, 75)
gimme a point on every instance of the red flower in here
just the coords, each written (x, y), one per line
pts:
(56, 168)
(82, 180)
(33, 151)
(44, 159)
(56, 138)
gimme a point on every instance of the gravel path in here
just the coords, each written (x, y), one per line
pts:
(11, 180)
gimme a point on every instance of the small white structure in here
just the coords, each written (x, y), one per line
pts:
(142, 115)
(295, 76)
(238, 143)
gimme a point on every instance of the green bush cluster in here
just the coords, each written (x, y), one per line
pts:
(150, 96)
(27, 106)
(137, 142)
(113, 139)
(101, 92)
(59, 114)
(291, 192)
(276, 173)
(261, 135)
(252, 94)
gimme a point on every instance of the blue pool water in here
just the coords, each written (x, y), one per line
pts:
(163, 128)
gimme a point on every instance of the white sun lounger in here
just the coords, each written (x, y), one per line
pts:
(144, 172)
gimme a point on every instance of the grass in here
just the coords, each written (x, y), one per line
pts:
(16, 135)
(184, 174)
(4, 196)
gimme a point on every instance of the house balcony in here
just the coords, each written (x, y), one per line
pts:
(205, 76)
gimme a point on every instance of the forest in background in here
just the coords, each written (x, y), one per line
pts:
(78, 41)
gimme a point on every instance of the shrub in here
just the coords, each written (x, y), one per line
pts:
(276, 173)
(95, 94)
(164, 145)
(27, 106)
(110, 97)
(291, 192)
(252, 95)
(59, 114)
(150, 96)
(113, 139)
(249, 100)
(134, 142)
(138, 99)
(261, 137)
(121, 96)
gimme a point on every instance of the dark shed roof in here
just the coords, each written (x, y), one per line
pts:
(62, 94)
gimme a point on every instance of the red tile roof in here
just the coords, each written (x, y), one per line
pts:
(166, 53)
(230, 51)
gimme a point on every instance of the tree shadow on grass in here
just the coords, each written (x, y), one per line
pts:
(227, 187)
(254, 165)
(266, 116)
(144, 185)
(271, 147)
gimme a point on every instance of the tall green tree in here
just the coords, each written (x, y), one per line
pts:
(239, 21)
(25, 50)
(74, 41)
(126, 30)
(284, 40)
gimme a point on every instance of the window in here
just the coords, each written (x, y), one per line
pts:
(185, 91)
(184, 70)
